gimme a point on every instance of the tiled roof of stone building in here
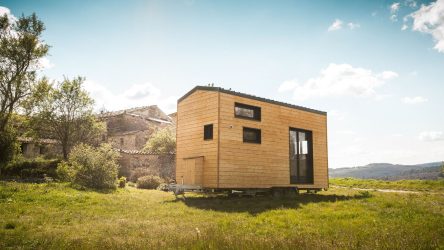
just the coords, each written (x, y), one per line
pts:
(41, 141)
(136, 152)
(152, 112)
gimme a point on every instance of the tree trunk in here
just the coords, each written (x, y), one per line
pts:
(65, 151)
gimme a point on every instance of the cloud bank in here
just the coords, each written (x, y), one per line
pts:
(134, 96)
(429, 19)
(339, 80)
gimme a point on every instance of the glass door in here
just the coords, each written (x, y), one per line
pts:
(301, 156)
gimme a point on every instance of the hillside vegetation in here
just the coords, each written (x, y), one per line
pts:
(387, 171)
(56, 216)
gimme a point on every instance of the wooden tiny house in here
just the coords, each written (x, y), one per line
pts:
(230, 140)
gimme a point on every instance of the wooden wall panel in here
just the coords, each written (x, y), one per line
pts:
(197, 110)
(247, 165)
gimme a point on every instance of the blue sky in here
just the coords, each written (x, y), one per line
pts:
(376, 67)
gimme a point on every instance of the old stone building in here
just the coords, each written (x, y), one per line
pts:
(127, 131)
(130, 129)
(32, 148)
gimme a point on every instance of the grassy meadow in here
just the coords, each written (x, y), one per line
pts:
(55, 216)
(411, 185)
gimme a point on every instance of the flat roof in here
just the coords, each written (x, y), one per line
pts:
(231, 92)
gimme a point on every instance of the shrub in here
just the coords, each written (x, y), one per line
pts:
(94, 167)
(9, 146)
(139, 172)
(161, 142)
(64, 171)
(122, 182)
(149, 182)
(31, 168)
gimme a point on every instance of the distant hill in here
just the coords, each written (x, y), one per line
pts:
(387, 171)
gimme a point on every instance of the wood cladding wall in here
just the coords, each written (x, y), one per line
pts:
(249, 165)
(229, 162)
(197, 110)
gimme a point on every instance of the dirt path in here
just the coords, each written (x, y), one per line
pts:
(386, 190)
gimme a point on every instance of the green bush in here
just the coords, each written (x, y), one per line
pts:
(64, 171)
(9, 147)
(149, 182)
(122, 182)
(139, 172)
(31, 168)
(94, 167)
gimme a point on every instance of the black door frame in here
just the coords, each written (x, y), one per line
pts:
(310, 165)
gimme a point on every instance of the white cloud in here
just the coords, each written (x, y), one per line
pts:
(404, 27)
(430, 19)
(336, 25)
(431, 136)
(394, 8)
(342, 80)
(353, 26)
(4, 10)
(414, 100)
(288, 85)
(388, 75)
(135, 96)
(44, 63)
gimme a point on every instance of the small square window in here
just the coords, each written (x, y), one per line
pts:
(252, 135)
(208, 132)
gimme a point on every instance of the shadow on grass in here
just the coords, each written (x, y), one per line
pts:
(255, 205)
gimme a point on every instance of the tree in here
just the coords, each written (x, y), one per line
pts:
(161, 142)
(64, 111)
(21, 47)
(8, 146)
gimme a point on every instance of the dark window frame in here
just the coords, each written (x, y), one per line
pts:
(208, 134)
(310, 172)
(256, 111)
(259, 137)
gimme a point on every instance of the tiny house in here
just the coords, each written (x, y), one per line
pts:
(228, 140)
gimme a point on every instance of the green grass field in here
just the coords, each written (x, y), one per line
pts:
(412, 185)
(57, 216)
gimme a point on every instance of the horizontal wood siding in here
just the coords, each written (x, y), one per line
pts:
(248, 165)
(197, 110)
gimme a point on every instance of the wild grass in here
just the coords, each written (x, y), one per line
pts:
(56, 216)
(413, 185)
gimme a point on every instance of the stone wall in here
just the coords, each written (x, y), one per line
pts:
(31, 148)
(160, 165)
